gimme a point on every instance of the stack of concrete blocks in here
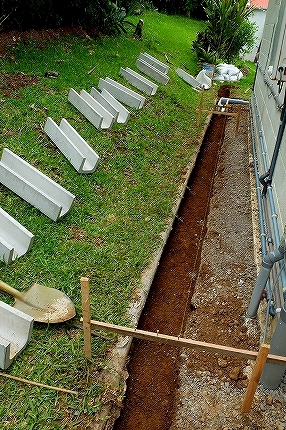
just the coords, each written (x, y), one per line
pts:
(91, 109)
(138, 81)
(15, 240)
(122, 93)
(81, 156)
(16, 331)
(110, 103)
(153, 68)
(33, 186)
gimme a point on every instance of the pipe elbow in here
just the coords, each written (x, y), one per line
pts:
(273, 256)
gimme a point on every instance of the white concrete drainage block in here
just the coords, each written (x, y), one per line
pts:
(162, 67)
(139, 81)
(33, 186)
(108, 118)
(15, 332)
(15, 240)
(85, 109)
(122, 93)
(152, 71)
(189, 78)
(112, 104)
(98, 96)
(72, 145)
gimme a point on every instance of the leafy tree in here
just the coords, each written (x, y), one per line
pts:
(228, 31)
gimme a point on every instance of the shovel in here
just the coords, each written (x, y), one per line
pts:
(44, 304)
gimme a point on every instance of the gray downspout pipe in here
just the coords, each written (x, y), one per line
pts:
(267, 264)
(266, 178)
(269, 188)
(260, 213)
(273, 373)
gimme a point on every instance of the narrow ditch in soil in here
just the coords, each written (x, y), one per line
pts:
(153, 368)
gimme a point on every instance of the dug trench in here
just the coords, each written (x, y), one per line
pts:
(152, 395)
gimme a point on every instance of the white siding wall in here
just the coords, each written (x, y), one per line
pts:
(259, 18)
(270, 114)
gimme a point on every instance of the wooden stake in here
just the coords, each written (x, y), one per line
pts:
(27, 381)
(201, 106)
(237, 119)
(91, 70)
(86, 316)
(256, 373)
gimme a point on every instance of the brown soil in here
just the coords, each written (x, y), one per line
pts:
(153, 369)
(9, 40)
(10, 84)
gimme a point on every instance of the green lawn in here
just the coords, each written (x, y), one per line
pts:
(116, 222)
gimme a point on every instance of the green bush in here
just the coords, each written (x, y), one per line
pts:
(228, 32)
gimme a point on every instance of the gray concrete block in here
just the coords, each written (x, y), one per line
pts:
(123, 113)
(72, 145)
(33, 186)
(15, 332)
(108, 118)
(152, 72)
(122, 93)
(15, 240)
(139, 81)
(84, 107)
(162, 67)
(188, 78)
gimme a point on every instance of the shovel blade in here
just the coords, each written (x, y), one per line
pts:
(44, 304)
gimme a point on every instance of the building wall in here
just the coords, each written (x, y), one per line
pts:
(258, 17)
(269, 102)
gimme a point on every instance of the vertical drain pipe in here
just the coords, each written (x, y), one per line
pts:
(273, 373)
(267, 264)
(269, 190)
(271, 309)
(282, 125)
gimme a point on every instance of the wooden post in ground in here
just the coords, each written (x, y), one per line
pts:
(201, 106)
(237, 119)
(84, 282)
(255, 376)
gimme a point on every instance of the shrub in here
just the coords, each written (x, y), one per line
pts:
(228, 32)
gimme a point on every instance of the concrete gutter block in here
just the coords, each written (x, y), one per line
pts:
(188, 78)
(84, 107)
(15, 240)
(33, 186)
(15, 332)
(81, 156)
(162, 67)
(108, 118)
(139, 81)
(123, 113)
(153, 72)
(105, 103)
(122, 93)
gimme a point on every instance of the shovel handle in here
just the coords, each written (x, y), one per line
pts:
(9, 290)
